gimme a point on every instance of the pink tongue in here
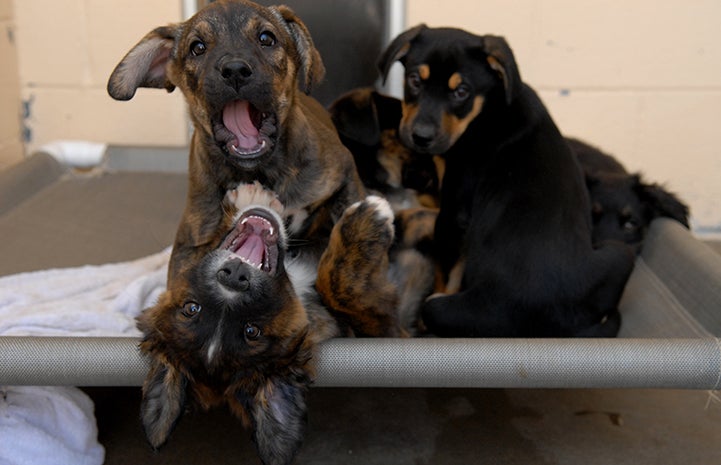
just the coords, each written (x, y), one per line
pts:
(236, 117)
(252, 250)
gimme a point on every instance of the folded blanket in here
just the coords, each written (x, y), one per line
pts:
(56, 425)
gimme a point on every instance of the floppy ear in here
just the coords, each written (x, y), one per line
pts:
(279, 415)
(144, 65)
(355, 116)
(662, 202)
(312, 69)
(398, 49)
(501, 59)
(163, 402)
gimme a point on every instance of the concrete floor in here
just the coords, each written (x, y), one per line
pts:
(445, 426)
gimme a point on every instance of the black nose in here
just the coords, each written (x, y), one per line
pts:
(236, 73)
(234, 275)
(423, 135)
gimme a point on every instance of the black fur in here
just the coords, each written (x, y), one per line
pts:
(367, 123)
(623, 204)
(515, 213)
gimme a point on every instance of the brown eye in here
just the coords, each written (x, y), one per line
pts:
(191, 309)
(266, 39)
(461, 93)
(251, 332)
(197, 48)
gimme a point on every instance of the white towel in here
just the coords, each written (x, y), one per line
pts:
(56, 425)
(84, 301)
(47, 425)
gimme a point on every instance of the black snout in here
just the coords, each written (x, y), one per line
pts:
(423, 135)
(236, 73)
(234, 275)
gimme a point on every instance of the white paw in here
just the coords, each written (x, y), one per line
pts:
(254, 194)
(382, 207)
(379, 205)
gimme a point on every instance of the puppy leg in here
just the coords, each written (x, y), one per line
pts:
(609, 269)
(474, 312)
(412, 268)
(352, 273)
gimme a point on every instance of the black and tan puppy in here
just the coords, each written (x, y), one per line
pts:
(244, 330)
(623, 204)
(514, 221)
(240, 66)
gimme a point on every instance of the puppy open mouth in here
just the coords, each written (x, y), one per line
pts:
(244, 130)
(255, 240)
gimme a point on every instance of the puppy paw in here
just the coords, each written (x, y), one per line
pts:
(368, 222)
(353, 270)
(245, 195)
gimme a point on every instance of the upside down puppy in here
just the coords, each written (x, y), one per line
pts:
(244, 330)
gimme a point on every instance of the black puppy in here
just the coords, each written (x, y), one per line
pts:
(623, 204)
(367, 123)
(514, 219)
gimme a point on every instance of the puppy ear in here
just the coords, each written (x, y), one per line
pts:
(662, 202)
(310, 61)
(144, 65)
(355, 116)
(500, 58)
(163, 402)
(280, 416)
(398, 49)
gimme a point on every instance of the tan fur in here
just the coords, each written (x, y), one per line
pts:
(454, 81)
(424, 71)
(454, 126)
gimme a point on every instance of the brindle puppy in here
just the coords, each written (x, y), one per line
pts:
(244, 329)
(239, 66)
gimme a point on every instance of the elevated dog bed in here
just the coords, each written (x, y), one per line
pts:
(54, 217)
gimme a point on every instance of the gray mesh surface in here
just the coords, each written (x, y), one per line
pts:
(510, 363)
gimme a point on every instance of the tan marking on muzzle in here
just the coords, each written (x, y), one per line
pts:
(408, 113)
(455, 127)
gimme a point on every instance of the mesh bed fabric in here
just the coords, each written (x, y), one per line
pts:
(480, 363)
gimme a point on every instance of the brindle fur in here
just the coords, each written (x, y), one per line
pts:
(207, 359)
(313, 176)
(306, 165)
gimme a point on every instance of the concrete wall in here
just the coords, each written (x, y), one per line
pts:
(67, 50)
(11, 149)
(640, 79)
